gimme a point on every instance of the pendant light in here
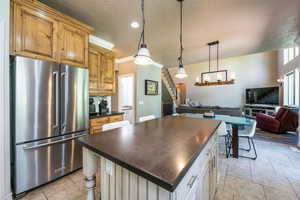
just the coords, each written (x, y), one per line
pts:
(181, 73)
(143, 56)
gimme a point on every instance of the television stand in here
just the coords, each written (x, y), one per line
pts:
(251, 109)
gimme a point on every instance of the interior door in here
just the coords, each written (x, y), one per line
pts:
(126, 96)
(35, 94)
(74, 99)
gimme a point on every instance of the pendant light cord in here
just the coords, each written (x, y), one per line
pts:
(181, 46)
(142, 37)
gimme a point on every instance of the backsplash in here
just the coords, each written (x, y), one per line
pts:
(98, 99)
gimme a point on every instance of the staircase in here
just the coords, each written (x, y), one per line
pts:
(169, 83)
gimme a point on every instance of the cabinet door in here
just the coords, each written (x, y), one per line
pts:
(94, 71)
(34, 34)
(213, 173)
(107, 71)
(73, 45)
(203, 190)
(108, 68)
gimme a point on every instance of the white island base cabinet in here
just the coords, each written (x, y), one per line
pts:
(118, 183)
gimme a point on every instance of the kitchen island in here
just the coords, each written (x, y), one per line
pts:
(164, 159)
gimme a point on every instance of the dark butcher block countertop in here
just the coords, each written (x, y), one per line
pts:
(160, 150)
(93, 116)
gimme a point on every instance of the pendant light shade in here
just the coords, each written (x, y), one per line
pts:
(181, 73)
(143, 56)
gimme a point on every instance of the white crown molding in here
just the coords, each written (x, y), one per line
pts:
(131, 58)
(158, 65)
(103, 43)
(124, 60)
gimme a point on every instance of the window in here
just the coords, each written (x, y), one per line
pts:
(291, 88)
(289, 54)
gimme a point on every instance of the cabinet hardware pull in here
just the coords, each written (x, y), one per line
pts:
(54, 142)
(192, 181)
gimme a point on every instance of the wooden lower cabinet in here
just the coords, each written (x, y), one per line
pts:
(97, 123)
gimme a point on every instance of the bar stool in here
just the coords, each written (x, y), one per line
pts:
(114, 125)
(248, 133)
(146, 118)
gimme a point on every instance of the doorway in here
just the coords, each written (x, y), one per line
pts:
(126, 96)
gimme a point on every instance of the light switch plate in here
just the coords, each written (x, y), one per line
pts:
(109, 167)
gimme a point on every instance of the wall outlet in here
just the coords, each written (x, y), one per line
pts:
(109, 167)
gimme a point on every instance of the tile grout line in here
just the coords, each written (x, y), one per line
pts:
(293, 189)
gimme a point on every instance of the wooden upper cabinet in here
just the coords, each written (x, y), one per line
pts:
(107, 70)
(102, 77)
(94, 71)
(38, 31)
(73, 45)
(35, 34)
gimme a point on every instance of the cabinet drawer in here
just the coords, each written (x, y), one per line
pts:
(196, 171)
(98, 121)
(96, 129)
(116, 118)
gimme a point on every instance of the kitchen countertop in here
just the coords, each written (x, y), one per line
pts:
(160, 150)
(106, 115)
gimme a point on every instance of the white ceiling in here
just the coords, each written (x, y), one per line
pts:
(242, 26)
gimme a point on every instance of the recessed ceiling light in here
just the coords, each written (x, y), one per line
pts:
(135, 24)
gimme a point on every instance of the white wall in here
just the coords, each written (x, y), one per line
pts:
(148, 104)
(256, 70)
(5, 189)
(144, 104)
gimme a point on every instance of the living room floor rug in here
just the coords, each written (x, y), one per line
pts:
(290, 138)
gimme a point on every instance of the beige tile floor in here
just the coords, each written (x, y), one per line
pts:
(275, 175)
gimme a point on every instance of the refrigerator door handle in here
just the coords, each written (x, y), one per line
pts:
(63, 105)
(51, 143)
(56, 78)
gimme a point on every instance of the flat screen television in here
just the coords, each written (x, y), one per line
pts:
(268, 96)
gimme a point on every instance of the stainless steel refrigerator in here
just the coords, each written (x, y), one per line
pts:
(49, 113)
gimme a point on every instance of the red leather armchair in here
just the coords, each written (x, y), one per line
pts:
(282, 121)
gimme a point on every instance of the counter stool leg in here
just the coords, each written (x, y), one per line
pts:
(89, 170)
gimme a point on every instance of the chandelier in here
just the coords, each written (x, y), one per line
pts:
(217, 77)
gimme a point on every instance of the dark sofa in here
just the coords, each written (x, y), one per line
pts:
(216, 109)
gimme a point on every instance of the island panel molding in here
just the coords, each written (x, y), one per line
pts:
(162, 151)
(117, 182)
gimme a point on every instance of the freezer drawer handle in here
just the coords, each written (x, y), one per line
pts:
(55, 142)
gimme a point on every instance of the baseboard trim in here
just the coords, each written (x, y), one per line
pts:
(7, 197)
